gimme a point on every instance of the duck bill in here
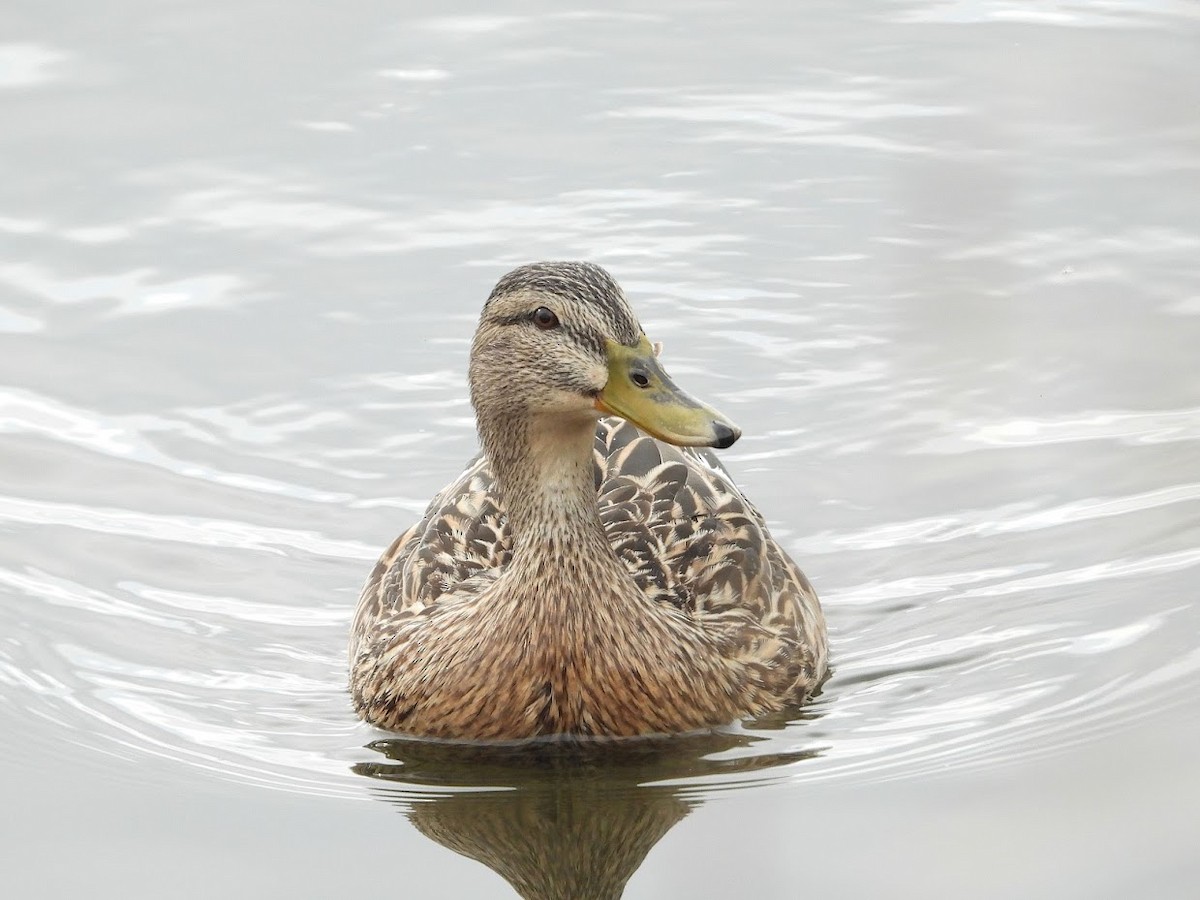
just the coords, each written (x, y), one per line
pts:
(640, 391)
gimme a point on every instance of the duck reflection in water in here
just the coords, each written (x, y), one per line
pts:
(562, 819)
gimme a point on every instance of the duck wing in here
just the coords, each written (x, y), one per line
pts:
(462, 543)
(691, 539)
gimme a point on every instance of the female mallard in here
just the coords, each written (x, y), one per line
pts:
(580, 577)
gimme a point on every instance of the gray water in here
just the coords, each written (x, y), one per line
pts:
(941, 262)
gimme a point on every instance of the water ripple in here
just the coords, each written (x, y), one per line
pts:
(1141, 427)
(988, 522)
(913, 691)
(125, 437)
(195, 530)
(1115, 568)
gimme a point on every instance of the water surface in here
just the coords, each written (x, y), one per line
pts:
(938, 260)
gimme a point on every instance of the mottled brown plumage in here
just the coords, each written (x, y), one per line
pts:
(581, 577)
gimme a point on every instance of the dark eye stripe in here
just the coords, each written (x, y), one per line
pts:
(584, 337)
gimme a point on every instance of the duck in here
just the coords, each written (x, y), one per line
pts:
(594, 571)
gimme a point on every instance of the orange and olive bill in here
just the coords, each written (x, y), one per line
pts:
(639, 390)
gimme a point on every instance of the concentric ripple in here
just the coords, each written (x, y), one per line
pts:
(987, 634)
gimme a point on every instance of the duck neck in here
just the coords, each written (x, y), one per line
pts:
(543, 466)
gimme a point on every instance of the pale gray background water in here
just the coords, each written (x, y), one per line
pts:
(941, 260)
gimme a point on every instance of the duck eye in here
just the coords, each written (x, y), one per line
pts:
(544, 318)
